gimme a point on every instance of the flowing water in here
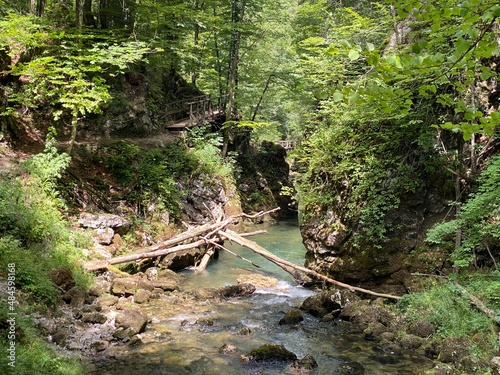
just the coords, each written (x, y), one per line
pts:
(186, 335)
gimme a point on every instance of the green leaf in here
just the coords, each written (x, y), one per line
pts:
(394, 60)
(338, 96)
(353, 55)
(462, 45)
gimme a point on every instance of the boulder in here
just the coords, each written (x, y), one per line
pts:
(327, 302)
(104, 236)
(453, 349)
(125, 286)
(421, 329)
(133, 320)
(94, 318)
(232, 291)
(142, 296)
(271, 352)
(99, 221)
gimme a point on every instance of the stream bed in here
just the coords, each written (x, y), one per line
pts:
(186, 335)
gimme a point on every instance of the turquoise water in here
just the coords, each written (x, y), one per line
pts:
(176, 343)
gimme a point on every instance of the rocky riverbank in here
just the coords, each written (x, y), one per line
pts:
(120, 315)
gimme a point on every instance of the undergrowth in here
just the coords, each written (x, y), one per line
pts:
(444, 305)
(152, 178)
(36, 238)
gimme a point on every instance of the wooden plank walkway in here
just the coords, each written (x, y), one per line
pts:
(192, 112)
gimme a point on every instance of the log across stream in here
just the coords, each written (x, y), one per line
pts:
(211, 235)
(185, 336)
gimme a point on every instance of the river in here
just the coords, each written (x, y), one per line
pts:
(185, 336)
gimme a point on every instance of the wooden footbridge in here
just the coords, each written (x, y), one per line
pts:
(288, 145)
(191, 112)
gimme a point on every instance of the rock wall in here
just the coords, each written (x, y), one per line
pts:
(263, 172)
(331, 250)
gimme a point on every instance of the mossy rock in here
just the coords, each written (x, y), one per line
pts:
(271, 352)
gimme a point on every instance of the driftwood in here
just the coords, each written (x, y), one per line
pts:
(210, 235)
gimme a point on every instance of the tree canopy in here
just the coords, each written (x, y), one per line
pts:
(379, 93)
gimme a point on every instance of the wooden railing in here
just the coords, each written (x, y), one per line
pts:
(194, 111)
(288, 145)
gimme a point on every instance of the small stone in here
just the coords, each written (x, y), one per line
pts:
(100, 345)
(245, 331)
(228, 349)
(293, 316)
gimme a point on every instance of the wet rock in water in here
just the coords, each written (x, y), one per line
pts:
(228, 349)
(133, 319)
(327, 302)
(94, 318)
(100, 345)
(232, 291)
(421, 329)
(123, 334)
(306, 363)
(245, 331)
(257, 280)
(350, 368)
(293, 316)
(271, 352)
(389, 347)
(205, 321)
(206, 293)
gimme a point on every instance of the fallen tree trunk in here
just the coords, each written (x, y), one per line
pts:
(166, 247)
(93, 266)
(206, 257)
(293, 269)
(478, 304)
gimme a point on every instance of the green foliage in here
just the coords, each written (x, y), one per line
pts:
(479, 220)
(33, 354)
(207, 151)
(70, 74)
(451, 313)
(34, 233)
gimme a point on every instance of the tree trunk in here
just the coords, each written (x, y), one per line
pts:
(103, 14)
(238, 13)
(88, 17)
(297, 272)
(79, 5)
(268, 82)
(37, 7)
(74, 128)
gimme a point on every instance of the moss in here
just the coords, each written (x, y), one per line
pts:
(272, 352)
